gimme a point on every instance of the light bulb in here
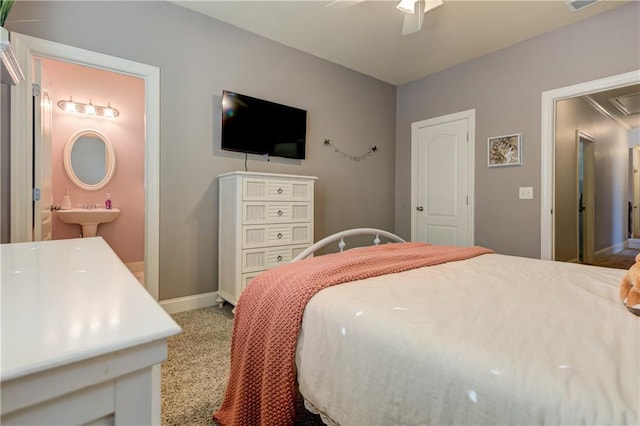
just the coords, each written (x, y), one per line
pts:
(108, 111)
(90, 109)
(70, 106)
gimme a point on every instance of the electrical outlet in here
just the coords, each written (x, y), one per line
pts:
(526, 193)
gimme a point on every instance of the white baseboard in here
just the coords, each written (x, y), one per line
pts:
(188, 303)
(612, 249)
(633, 243)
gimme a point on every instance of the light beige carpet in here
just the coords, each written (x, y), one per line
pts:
(195, 373)
(194, 376)
(620, 260)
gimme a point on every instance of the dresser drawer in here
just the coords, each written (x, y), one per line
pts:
(273, 189)
(246, 279)
(260, 212)
(254, 236)
(257, 260)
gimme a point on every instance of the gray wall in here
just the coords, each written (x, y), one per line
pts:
(198, 58)
(505, 89)
(611, 172)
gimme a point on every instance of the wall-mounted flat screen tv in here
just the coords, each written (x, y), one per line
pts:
(257, 126)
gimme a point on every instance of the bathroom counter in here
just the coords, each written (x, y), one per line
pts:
(79, 336)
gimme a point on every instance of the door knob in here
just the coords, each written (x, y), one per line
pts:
(420, 208)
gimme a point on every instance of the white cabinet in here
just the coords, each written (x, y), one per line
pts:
(265, 220)
(81, 338)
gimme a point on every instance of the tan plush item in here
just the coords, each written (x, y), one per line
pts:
(630, 288)
(262, 381)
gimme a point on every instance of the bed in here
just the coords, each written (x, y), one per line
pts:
(486, 339)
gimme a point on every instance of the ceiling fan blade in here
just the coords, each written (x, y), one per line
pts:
(412, 22)
(432, 4)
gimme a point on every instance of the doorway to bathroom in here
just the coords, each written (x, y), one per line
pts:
(134, 135)
(86, 156)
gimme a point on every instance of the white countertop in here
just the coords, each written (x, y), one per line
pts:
(68, 300)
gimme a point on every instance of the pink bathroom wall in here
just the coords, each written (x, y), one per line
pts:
(126, 132)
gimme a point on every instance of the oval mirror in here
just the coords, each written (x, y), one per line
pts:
(89, 159)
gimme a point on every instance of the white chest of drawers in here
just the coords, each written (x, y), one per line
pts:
(265, 220)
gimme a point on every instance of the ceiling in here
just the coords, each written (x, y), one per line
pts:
(622, 104)
(365, 36)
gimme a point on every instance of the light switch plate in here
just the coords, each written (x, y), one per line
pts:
(526, 193)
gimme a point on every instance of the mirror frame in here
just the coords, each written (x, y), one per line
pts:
(110, 160)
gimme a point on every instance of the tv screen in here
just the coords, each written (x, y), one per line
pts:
(262, 127)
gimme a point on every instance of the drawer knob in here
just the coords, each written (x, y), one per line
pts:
(279, 212)
(279, 235)
(279, 258)
(279, 190)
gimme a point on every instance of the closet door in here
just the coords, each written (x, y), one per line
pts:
(441, 183)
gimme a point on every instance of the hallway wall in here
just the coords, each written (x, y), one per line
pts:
(611, 165)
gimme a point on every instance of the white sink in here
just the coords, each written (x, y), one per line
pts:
(89, 219)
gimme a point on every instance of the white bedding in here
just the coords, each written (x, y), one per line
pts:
(490, 340)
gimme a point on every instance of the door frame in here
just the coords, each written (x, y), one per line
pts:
(588, 190)
(21, 120)
(635, 152)
(547, 147)
(470, 115)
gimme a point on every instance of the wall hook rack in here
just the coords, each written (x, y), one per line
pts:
(373, 149)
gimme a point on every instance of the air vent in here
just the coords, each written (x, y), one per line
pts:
(576, 5)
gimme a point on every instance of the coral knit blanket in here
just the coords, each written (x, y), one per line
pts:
(262, 384)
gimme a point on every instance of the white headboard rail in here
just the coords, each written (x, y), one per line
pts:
(340, 236)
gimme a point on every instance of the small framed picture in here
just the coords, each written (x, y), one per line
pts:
(505, 150)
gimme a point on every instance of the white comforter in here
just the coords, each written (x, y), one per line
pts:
(490, 340)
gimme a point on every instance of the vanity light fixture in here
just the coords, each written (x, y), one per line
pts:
(88, 109)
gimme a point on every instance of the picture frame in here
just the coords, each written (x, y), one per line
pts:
(505, 150)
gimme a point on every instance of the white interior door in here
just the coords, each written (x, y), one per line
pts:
(43, 195)
(442, 180)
